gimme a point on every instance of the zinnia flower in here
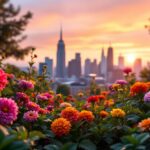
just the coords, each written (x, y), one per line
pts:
(86, 115)
(108, 103)
(127, 70)
(103, 114)
(8, 111)
(147, 97)
(31, 116)
(61, 126)
(118, 113)
(101, 97)
(144, 125)
(70, 113)
(139, 88)
(22, 98)
(121, 82)
(65, 104)
(92, 99)
(44, 96)
(3, 79)
(25, 85)
(33, 106)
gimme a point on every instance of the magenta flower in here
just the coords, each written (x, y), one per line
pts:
(25, 85)
(33, 106)
(22, 98)
(3, 79)
(147, 97)
(127, 70)
(121, 82)
(44, 96)
(8, 111)
(31, 116)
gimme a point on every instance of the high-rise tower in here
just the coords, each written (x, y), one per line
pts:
(110, 64)
(60, 66)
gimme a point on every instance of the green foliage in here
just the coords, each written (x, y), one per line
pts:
(145, 73)
(11, 27)
(63, 89)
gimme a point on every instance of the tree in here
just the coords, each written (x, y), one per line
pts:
(145, 73)
(11, 27)
(63, 89)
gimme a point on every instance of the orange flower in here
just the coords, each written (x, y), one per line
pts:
(80, 94)
(103, 114)
(138, 88)
(108, 103)
(92, 99)
(148, 84)
(60, 127)
(119, 113)
(86, 115)
(70, 113)
(144, 125)
(105, 93)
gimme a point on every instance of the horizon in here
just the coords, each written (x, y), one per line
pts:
(87, 29)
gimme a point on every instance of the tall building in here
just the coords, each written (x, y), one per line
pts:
(137, 67)
(60, 65)
(94, 67)
(103, 66)
(49, 63)
(41, 65)
(110, 63)
(74, 66)
(87, 67)
(120, 62)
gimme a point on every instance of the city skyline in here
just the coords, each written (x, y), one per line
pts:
(88, 28)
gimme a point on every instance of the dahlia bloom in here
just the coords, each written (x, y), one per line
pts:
(60, 127)
(144, 125)
(70, 113)
(31, 116)
(22, 98)
(64, 105)
(86, 115)
(127, 70)
(25, 85)
(50, 108)
(108, 103)
(8, 111)
(101, 97)
(44, 96)
(118, 113)
(103, 114)
(43, 111)
(92, 99)
(139, 88)
(147, 97)
(32, 106)
(3, 80)
(121, 82)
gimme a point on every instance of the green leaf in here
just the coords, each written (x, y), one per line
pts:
(35, 135)
(87, 145)
(70, 146)
(143, 137)
(51, 147)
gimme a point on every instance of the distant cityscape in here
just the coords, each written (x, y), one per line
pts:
(104, 71)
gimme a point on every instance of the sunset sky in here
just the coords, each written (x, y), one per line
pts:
(88, 25)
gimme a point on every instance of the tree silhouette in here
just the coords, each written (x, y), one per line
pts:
(11, 27)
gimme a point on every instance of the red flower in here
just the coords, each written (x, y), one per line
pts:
(93, 99)
(127, 70)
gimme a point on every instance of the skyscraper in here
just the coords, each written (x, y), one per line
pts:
(103, 65)
(110, 60)
(87, 67)
(120, 62)
(137, 67)
(49, 64)
(74, 66)
(60, 65)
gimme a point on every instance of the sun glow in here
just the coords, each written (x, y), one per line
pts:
(130, 58)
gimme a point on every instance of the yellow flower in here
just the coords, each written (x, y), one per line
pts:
(144, 125)
(60, 127)
(117, 112)
(80, 94)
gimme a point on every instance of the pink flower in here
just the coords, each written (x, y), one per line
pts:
(3, 79)
(33, 106)
(44, 96)
(127, 70)
(31, 116)
(25, 85)
(8, 111)
(22, 98)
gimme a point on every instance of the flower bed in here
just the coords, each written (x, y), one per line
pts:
(32, 116)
